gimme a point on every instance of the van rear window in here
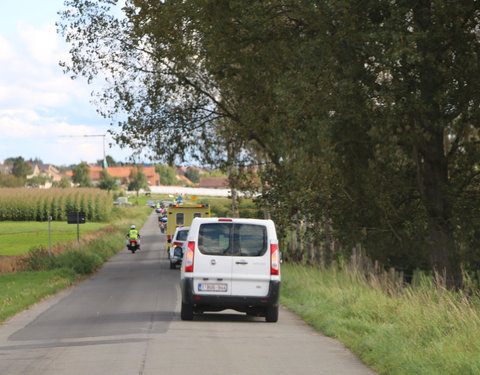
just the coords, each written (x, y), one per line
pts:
(232, 239)
(182, 235)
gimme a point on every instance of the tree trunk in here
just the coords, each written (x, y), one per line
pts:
(298, 237)
(234, 201)
(317, 241)
(308, 241)
(431, 159)
(328, 252)
(432, 176)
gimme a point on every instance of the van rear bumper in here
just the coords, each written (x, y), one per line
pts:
(221, 302)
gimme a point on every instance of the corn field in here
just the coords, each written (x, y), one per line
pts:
(24, 204)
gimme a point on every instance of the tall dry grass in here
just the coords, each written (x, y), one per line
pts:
(419, 329)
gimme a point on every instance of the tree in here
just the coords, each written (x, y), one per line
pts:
(138, 180)
(110, 161)
(168, 176)
(364, 112)
(21, 168)
(63, 183)
(193, 174)
(107, 182)
(81, 175)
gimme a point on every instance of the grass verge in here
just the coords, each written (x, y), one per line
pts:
(416, 331)
(44, 275)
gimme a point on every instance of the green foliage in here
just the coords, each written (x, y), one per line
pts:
(168, 176)
(81, 175)
(107, 182)
(222, 207)
(21, 168)
(64, 183)
(215, 173)
(360, 116)
(9, 180)
(193, 174)
(138, 180)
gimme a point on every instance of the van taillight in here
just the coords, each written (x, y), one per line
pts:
(189, 257)
(275, 259)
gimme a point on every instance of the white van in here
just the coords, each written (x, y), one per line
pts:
(179, 241)
(231, 264)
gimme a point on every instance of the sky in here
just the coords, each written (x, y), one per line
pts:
(43, 113)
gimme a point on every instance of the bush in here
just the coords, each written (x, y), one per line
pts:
(81, 262)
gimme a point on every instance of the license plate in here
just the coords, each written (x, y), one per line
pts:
(212, 287)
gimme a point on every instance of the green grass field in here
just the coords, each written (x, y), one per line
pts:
(18, 237)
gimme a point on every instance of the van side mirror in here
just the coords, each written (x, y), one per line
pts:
(169, 240)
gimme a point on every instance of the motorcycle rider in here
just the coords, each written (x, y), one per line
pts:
(133, 233)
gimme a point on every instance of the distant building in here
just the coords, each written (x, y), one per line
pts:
(47, 170)
(5, 169)
(214, 182)
(123, 174)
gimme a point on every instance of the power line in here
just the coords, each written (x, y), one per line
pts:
(105, 165)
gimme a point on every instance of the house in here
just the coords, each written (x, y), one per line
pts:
(46, 170)
(214, 182)
(5, 169)
(123, 174)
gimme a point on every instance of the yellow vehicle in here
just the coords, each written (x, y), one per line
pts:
(181, 215)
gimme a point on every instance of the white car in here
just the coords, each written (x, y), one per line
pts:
(231, 264)
(179, 241)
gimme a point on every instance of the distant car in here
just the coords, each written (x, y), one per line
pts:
(150, 204)
(178, 242)
(122, 202)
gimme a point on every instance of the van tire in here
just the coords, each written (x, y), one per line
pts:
(272, 314)
(187, 311)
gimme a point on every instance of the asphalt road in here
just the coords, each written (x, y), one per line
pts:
(125, 320)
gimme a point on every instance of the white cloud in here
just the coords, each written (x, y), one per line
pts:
(42, 43)
(7, 51)
(31, 75)
(39, 104)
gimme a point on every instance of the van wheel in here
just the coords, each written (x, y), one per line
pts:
(272, 314)
(187, 311)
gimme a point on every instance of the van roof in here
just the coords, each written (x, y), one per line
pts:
(233, 220)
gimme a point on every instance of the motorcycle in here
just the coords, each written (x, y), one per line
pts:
(162, 223)
(176, 257)
(133, 245)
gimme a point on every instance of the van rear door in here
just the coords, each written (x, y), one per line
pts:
(213, 260)
(251, 260)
